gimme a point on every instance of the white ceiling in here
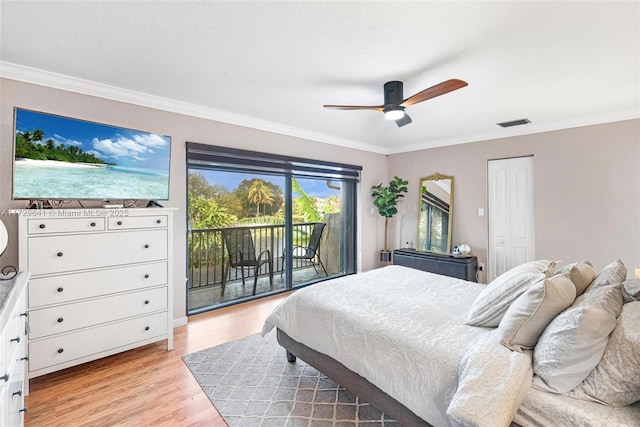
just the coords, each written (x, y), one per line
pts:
(272, 65)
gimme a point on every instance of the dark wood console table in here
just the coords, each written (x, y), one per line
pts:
(447, 265)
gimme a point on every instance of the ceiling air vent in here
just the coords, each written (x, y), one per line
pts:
(514, 123)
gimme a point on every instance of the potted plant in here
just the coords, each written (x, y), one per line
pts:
(385, 198)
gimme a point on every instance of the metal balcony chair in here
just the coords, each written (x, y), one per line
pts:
(242, 254)
(311, 252)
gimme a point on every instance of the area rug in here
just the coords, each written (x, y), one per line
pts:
(250, 383)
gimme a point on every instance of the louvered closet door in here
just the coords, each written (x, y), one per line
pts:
(511, 214)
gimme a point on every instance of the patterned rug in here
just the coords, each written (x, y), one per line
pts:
(250, 383)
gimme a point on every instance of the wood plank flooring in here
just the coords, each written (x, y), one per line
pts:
(148, 386)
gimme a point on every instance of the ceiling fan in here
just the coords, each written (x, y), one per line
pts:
(394, 103)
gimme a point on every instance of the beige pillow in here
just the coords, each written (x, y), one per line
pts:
(631, 290)
(573, 343)
(615, 381)
(612, 274)
(494, 300)
(529, 315)
(581, 274)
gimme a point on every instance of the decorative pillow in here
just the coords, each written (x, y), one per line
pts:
(494, 300)
(529, 315)
(573, 343)
(581, 274)
(615, 381)
(612, 274)
(631, 290)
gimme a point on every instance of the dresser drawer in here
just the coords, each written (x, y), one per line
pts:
(57, 254)
(14, 335)
(51, 290)
(129, 222)
(64, 225)
(85, 343)
(69, 317)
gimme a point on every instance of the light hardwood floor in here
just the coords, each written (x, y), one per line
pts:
(149, 386)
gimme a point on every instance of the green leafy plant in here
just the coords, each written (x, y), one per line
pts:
(385, 198)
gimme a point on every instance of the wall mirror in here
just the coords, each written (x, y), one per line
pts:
(435, 213)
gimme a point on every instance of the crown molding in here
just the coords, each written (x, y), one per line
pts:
(528, 129)
(40, 77)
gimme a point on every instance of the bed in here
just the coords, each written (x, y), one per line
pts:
(397, 338)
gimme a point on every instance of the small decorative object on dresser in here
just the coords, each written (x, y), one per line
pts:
(101, 283)
(447, 265)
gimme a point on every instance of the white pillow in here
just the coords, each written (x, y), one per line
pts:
(494, 300)
(581, 274)
(615, 381)
(529, 315)
(631, 290)
(573, 343)
(612, 274)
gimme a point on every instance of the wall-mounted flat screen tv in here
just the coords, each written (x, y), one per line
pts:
(61, 158)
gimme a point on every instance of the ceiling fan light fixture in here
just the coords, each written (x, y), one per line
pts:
(394, 113)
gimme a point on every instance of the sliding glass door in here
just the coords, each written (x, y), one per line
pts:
(252, 233)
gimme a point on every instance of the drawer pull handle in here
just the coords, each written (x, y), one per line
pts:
(60, 320)
(146, 276)
(24, 358)
(119, 222)
(60, 289)
(23, 409)
(146, 302)
(17, 393)
(93, 224)
(5, 378)
(146, 246)
(60, 350)
(42, 226)
(158, 221)
(60, 254)
(25, 314)
(16, 339)
(146, 328)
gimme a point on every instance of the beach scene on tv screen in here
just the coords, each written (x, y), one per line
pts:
(64, 158)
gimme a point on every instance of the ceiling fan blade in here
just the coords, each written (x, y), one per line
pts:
(433, 91)
(404, 120)
(356, 107)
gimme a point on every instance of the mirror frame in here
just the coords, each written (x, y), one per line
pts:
(436, 177)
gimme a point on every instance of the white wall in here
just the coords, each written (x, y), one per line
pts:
(587, 191)
(181, 128)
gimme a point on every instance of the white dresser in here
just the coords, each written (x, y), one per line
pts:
(101, 283)
(13, 349)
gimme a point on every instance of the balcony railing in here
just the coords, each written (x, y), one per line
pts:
(208, 255)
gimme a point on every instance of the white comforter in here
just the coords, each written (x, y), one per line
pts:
(421, 353)
(412, 352)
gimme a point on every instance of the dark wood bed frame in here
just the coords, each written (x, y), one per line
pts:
(350, 380)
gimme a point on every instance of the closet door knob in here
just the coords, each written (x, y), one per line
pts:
(60, 350)
(60, 289)
(60, 320)
(42, 226)
(60, 254)
(146, 328)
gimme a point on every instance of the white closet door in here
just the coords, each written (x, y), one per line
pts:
(511, 214)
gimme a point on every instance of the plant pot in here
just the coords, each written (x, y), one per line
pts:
(385, 258)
